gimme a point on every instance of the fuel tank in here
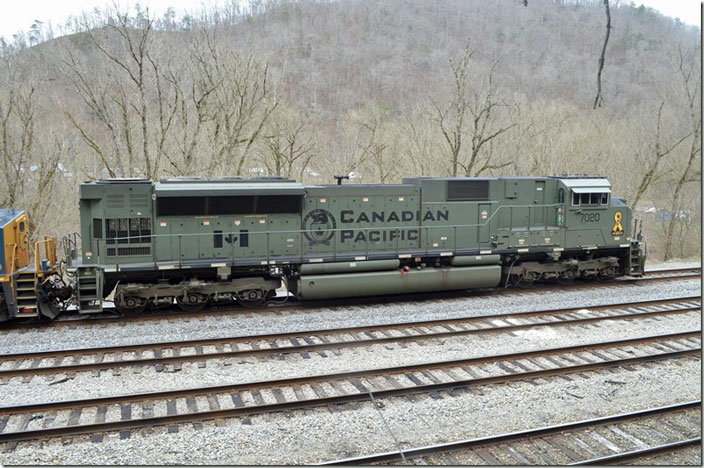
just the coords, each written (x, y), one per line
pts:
(397, 281)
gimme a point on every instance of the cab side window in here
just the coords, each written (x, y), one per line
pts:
(590, 199)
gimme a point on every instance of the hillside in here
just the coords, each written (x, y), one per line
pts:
(379, 89)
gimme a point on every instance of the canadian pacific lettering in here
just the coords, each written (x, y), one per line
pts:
(350, 216)
(386, 235)
(349, 235)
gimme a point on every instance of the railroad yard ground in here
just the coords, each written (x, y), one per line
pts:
(358, 428)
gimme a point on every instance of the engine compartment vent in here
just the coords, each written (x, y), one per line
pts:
(467, 190)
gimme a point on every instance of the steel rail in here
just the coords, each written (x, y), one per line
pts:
(646, 279)
(509, 437)
(363, 328)
(674, 270)
(292, 304)
(309, 403)
(619, 457)
(334, 400)
(298, 348)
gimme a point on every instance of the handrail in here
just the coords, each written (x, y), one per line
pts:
(70, 248)
(49, 251)
(424, 240)
(13, 258)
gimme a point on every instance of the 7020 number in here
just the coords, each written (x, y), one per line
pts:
(590, 217)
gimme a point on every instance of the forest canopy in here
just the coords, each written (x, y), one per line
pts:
(378, 90)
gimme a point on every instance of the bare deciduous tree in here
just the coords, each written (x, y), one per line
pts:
(470, 112)
(289, 146)
(599, 98)
(651, 163)
(419, 134)
(202, 116)
(17, 133)
(375, 149)
(241, 101)
(123, 98)
(29, 164)
(44, 176)
(691, 171)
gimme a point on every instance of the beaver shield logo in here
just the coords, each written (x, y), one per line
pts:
(617, 230)
(319, 227)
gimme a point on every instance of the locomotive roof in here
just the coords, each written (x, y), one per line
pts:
(194, 186)
(587, 185)
(577, 183)
(7, 215)
(177, 189)
(561, 177)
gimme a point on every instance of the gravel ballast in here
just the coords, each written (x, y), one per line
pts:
(250, 369)
(305, 437)
(354, 429)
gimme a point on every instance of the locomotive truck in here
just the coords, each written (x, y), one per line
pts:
(195, 242)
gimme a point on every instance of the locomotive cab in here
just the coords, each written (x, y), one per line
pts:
(600, 225)
(588, 210)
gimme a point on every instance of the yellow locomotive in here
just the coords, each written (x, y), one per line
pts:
(29, 284)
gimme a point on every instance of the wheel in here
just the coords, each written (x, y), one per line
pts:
(251, 298)
(608, 273)
(567, 277)
(131, 305)
(193, 302)
(531, 277)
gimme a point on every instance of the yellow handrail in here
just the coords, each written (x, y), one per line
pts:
(49, 252)
(13, 258)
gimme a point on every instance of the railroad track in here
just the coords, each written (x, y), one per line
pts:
(71, 361)
(293, 306)
(124, 413)
(600, 441)
(671, 271)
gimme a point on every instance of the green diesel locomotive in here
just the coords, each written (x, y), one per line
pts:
(194, 242)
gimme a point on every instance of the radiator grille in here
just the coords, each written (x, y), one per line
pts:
(271, 204)
(228, 205)
(133, 251)
(468, 190)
